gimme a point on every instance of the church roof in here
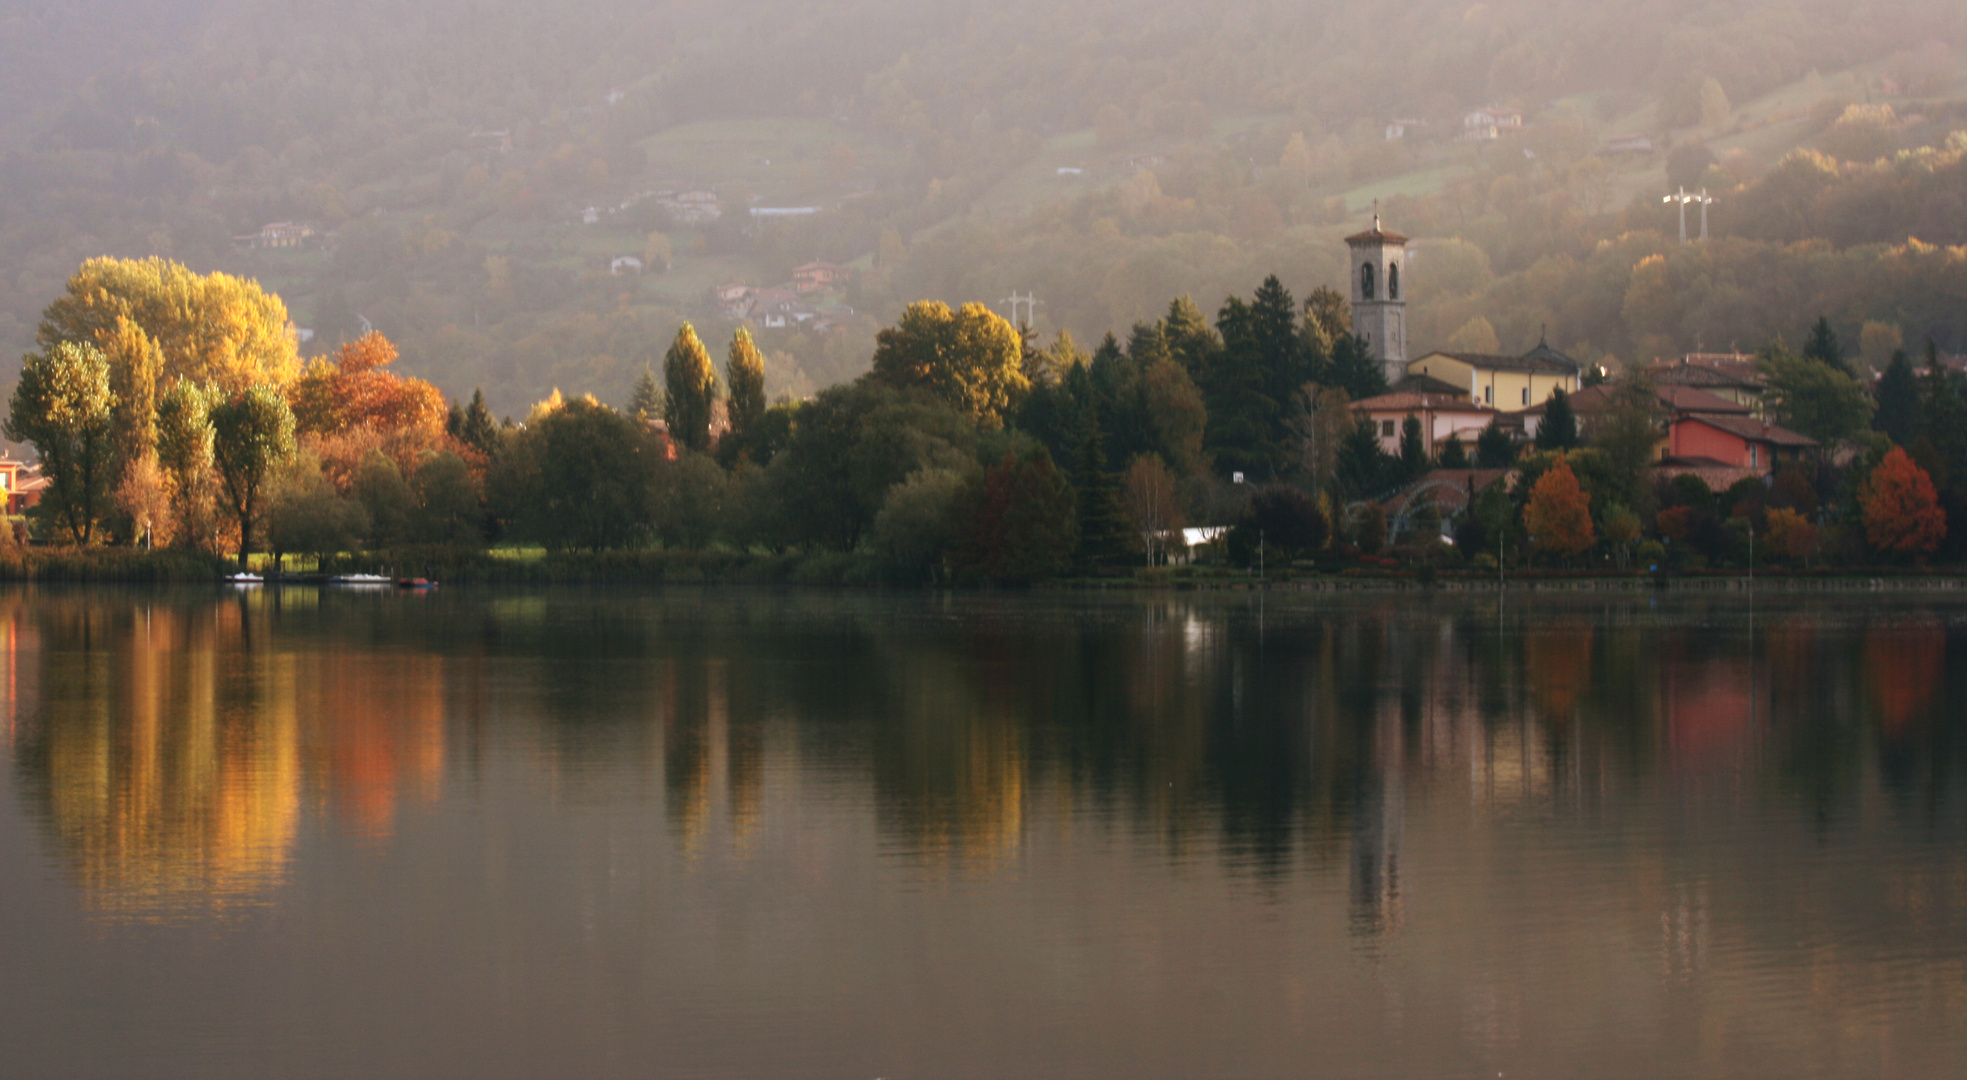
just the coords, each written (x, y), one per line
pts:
(1375, 235)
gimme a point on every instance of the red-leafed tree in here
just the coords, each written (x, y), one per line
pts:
(349, 404)
(1902, 510)
(1018, 523)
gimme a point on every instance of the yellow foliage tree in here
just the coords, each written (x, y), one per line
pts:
(970, 357)
(209, 328)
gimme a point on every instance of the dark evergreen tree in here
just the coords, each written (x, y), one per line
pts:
(1413, 449)
(1273, 332)
(1364, 467)
(479, 430)
(1241, 415)
(1103, 532)
(1452, 455)
(1824, 347)
(1494, 449)
(1353, 369)
(1898, 400)
(1559, 430)
(1943, 412)
(1189, 338)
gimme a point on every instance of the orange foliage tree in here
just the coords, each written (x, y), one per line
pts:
(348, 404)
(1901, 508)
(1558, 514)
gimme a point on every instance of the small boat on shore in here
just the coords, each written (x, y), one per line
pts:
(415, 583)
(360, 580)
(243, 577)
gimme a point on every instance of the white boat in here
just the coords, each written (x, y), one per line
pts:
(370, 580)
(243, 577)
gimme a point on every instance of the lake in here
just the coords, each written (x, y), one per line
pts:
(756, 834)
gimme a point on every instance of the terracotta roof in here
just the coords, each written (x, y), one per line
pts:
(1687, 399)
(1408, 401)
(1707, 369)
(1426, 384)
(1717, 475)
(1543, 361)
(1751, 429)
(1375, 235)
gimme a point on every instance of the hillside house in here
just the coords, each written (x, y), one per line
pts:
(1674, 402)
(1490, 123)
(820, 276)
(625, 264)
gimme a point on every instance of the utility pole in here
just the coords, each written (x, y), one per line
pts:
(1029, 301)
(1683, 197)
(1705, 201)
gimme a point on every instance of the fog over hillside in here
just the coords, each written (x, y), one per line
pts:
(474, 178)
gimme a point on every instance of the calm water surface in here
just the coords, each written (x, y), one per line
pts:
(705, 834)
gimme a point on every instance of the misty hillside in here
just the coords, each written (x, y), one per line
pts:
(469, 177)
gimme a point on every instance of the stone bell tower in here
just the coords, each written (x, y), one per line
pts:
(1379, 304)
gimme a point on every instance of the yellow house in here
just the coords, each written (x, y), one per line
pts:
(1505, 383)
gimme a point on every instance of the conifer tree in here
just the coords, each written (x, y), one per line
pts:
(1453, 455)
(646, 403)
(1824, 347)
(1189, 337)
(1102, 526)
(1413, 449)
(1898, 400)
(1559, 430)
(692, 386)
(479, 430)
(1493, 448)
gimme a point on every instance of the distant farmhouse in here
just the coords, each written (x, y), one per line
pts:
(278, 234)
(1490, 123)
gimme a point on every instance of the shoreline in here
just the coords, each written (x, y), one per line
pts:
(836, 570)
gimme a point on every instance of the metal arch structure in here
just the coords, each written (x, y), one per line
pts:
(1402, 523)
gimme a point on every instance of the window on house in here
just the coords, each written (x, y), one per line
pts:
(1366, 281)
(1386, 429)
(1489, 395)
(1526, 395)
(1754, 456)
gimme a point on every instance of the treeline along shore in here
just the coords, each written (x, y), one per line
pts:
(178, 430)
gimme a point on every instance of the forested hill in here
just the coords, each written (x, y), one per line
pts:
(445, 149)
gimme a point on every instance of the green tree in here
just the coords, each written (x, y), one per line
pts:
(918, 522)
(587, 478)
(1823, 347)
(252, 436)
(1241, 412)
(1627, 431)
(1494, 449)
(1898, 400)
(306, 515)
(478, 430)
(1413, 449)
(386, 499)
(1559, 429)
(1453, 455)
(970, 357)
(689, 501)
(1364, 468)
(448, 509)
(646, 401)
(65, 407)
(1811, 396)
(691, 386)
(1102, 528)
(1018, 521)
(745, 374)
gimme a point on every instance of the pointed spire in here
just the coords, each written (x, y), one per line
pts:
(1376, 215)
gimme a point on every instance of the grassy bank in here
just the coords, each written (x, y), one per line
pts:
(107, 565)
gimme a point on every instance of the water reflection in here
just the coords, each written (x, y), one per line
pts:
(1340, 820)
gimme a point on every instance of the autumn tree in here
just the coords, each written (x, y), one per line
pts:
(970, 357)
(692, 387)
(1558, 514)
(354, 388)
(744, 371)
(252, 435)
(1902, 511)
(185, 452)
(210, 328)
(1018, 521)
(65, 407)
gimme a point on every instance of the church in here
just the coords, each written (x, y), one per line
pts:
(1379, 317)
